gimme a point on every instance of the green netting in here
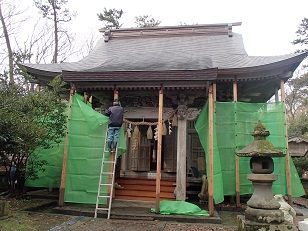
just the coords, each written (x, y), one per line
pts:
(51, 177)
(202, 129)
(233, 122)
(180, 208)
(86, 136)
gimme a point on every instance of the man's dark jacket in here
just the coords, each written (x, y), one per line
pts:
(115, 114)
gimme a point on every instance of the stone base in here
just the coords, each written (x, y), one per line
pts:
(246, 225)
(266, 216)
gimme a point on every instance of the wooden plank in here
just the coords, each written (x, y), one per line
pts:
(237, 161)
(143, 193)
(140, 198)
(64, 162)
(146, 188)
(211, 154)
(144, 182)
(159, 149)
(288, 170)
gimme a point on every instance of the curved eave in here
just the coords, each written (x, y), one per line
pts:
(41, 76)
(281, 68)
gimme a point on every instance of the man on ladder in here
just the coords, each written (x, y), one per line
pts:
(115, 114)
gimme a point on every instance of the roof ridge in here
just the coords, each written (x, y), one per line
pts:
(170, 31)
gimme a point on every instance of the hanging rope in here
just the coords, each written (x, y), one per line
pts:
(149, 123)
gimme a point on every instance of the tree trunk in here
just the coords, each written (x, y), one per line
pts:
(8, 44)
(55, 56)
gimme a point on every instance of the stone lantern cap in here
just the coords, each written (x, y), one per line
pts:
(260, 146)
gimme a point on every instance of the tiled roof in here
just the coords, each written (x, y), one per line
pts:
(191, 52)
(298, 139)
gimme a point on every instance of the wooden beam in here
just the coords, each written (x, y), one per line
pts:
(237, 160)
(288, 170)
(64, 162)
(211, 153)
(159, 147)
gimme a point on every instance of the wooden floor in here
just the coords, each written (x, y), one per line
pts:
(144, 189)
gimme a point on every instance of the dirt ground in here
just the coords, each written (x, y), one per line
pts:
(20, 218)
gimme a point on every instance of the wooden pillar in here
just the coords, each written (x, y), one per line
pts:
(276, 95)
(288, 170)
(85, 97)
(181, 152)
(64, 163)
(237, 160)
(112, 156)
(115, 93)
(159, 147)
(214, 95)
(211, 153)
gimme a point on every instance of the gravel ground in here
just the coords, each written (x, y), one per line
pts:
(126, 225)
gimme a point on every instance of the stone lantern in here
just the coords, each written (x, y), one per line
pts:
(262, 209)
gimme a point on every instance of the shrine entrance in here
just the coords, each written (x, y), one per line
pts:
(142, 153)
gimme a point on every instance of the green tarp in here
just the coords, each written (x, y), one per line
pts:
(233, 122)
(180, 208)
(86, 136)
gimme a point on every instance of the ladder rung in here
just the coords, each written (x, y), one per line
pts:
(109, 197)
(110, 173)
(104, 196)
(109, 162)
(102, 209)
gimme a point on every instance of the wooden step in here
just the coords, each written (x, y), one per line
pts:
(144, 182)
(148, 188)
(144, 189)
(143, 193)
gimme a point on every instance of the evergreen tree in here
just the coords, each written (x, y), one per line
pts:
(146, 21)
(110, 18)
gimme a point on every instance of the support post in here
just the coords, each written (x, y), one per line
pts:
(211, 153)
(181, 151)
(288, 170)
(159, 146)
(85, 97)
(237, 160)
(276, 95)
(64, 163)
(112, 156)
(115, 93)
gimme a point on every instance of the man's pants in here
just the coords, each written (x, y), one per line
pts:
(113, 136)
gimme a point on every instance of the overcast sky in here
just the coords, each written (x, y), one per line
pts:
(268, 26)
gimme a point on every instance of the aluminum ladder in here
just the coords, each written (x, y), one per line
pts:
(107, 187)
